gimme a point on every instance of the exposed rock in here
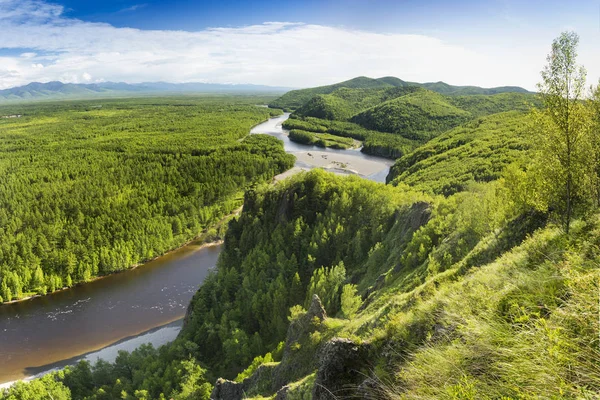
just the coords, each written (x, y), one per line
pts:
(300, 326)
(341, 369)
(282, 394)
(260, 382)
(316, 309)
(286, 204)
(270, 378)
(188, 314)
(419, 215)
(370, 389)
(299, 330)
(227, 390)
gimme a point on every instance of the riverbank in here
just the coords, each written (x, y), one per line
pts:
(108, 352)
(47, 330)
(350, 161)
(203, 240)
(338, 161)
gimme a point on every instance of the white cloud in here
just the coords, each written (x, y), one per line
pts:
(276, 53)
(133, 8)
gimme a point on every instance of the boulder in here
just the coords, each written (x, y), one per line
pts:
(342, 367)
(227, 390)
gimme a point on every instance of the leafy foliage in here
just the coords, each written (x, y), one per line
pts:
(394, 121)
(320, 139)
(91, 188)
(286, 233)
(344, 103)
(455, 286)
(295, 99)
(420, 116)
(374, 143)
(478, 151)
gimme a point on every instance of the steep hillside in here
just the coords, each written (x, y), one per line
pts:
(447, 304)
(477, 151)
(411, 113)
(420, 116)
(327, 106)
(482, 105)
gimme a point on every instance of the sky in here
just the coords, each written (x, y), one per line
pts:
(290, 43)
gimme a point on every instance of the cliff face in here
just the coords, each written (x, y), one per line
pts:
(341, 364)
(273, 378)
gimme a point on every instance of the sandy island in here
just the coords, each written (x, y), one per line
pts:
(345, 162)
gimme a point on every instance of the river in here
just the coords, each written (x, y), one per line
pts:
(142, 305)
(45, 332)
(351, 161)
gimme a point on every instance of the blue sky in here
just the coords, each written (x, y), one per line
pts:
(486, 43)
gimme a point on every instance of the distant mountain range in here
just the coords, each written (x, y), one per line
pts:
(293, 99)
(59, 90)
(297, 98)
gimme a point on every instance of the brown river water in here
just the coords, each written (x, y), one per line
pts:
(50, 331)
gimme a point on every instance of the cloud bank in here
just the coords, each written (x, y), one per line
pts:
(52, 46)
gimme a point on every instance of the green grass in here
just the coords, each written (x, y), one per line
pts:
(477, 151)
(418, 116)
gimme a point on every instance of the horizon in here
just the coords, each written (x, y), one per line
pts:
(231, 84)
(499, 43)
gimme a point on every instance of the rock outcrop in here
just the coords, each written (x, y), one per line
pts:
(227, 390)
(272, 378)
(342, 368)
(299, 330)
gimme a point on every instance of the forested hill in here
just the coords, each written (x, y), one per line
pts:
(393, 121)
(296, 98)
(59, 90)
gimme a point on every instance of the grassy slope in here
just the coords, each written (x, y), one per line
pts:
(344, 103)
(476, 151)
(494, 322)
(482, 105)
(477, 303)
(420, 115)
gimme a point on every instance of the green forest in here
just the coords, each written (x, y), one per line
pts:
(472, 274)
(392, 119)
(91, 188)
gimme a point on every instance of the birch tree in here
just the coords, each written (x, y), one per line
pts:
(562, 126)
